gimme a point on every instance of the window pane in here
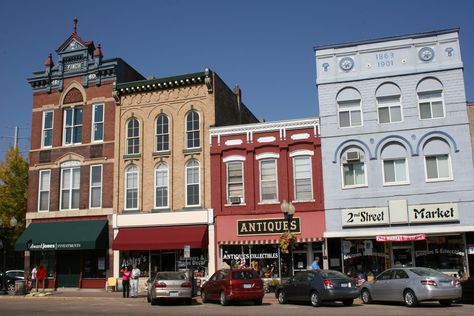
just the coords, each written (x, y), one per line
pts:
(356, 118)
(396, 113)
(359, 173)
(48, 137)
(443, 166)
(45, 181)
(75, 198)
(348, 174)
(400, 170)
(98, 113)
(429, 95)
(44, 201)
(389, 100)
(95, 197)
(76, 178)
(344, 120)
(98, 131)
(437, 109)
(77, 134)
(389, 171)
(68, 114)
(77, 116)
(68, 135)
(66, 180)
(96, 175)
(65, 199)
(431, 168)
(384, 115)
(48, 119)
(425, 110)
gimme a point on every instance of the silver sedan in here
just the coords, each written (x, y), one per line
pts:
(169, 286)
(412, 285)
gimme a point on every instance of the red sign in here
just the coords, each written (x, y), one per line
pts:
(395, 238)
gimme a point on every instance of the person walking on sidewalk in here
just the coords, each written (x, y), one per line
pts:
(125, 281)
(40, 276)
(33, 277)
(135, 275)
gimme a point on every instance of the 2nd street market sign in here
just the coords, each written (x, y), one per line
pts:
(433, 213)
(365, 217)
(268, 226)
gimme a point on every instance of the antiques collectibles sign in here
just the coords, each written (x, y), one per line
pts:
(365, 217)
(267, 226)
(433, 213)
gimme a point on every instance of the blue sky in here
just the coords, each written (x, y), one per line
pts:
(264, 46)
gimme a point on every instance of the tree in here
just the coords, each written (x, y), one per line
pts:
(13, 195)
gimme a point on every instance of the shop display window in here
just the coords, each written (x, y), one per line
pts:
(262, 258)
(444, 253)
(364, 258)
(94, 264)
(140, 258)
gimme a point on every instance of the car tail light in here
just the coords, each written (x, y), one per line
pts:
(429, 282)
(186, 284)
(457, 283)
(160, 284)
(230, 283)
(328, 284)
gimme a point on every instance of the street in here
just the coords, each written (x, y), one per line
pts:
(101, 304)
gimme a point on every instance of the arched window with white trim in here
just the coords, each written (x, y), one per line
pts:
(353, 168)
(437, 160)
(193, 139)
(430, 99)
(131, 187)
(192, 183)
(161, 186)
(349, 108)
(162, 133)
(395, 165)
(133, 136)
(70, 185)
(235, 180)
(389, 104)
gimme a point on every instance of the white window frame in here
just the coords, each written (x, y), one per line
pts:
(430, 101)
(309, 158)
(127, 171)
(242, 198)
(167, 187)
(96, 187)
(44, 129)
(275, 160)
(350, 110)
(72, 126)
(407, 181)
(41, 190)
(71, 167)
(364, 185)
(193, 131)
(450, 178)
(163, 134)
(198, 182)
(133, 137)
(390, 106)
(96, 123)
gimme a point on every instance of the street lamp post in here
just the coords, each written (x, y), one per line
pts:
(13, 223)
(289, 211)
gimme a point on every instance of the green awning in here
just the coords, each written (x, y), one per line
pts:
(68, 235)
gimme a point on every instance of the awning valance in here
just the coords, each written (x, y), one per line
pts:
(66, 235)
(159, 238)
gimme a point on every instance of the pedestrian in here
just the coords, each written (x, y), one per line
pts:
(135, 275)
(33, 277)
(40, 276)
(125, 281)
(315, 264)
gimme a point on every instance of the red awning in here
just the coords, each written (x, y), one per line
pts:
(159, 238)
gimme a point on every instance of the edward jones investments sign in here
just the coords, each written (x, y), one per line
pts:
(365, 216)
(267, 226)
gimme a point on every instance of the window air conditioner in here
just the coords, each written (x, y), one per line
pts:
(235, 199)
(352, 156)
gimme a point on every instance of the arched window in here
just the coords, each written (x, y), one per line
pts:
(395, 166)
(192, 130)
(388, 103)
(162, 133)
(302, 177)
(353, 168)
(430, 99)
(70, 185)
(192, 183)
(235, 181)
(437, 160)
(161, 186)
(268, 180)
(349, 108)
(131, 188)
(133, 136)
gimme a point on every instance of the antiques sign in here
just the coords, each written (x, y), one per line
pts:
(267, 226)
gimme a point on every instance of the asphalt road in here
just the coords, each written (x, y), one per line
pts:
(97, 305)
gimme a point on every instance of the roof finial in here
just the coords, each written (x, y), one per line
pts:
(75, 25)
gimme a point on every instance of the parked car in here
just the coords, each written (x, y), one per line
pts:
(468, 290)
(411, 286)
(11, 277)
(228, 285)
(317, 286)
(169, 285)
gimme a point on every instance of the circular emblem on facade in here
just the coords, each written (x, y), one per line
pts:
(426, 54)
(346, 64)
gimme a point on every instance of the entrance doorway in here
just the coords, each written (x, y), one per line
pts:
(68, 268)
(402, 256)
(300, 261)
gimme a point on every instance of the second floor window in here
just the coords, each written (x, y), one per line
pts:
(353, 174)
(72, 126)
(161, 186)
(162, 133)
(131, 188)
(192, 183)
(235, 182)
(44, 189)
(302, 178)
(430, 99)
(438, 168)
(98, 122)
(133, 137)
(395, 171)
(192, 130)
(268, 180)
(47, 135)
(70, 187)
(96, 186)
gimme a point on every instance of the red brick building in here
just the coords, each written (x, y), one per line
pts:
(254, 168)
(70, 191)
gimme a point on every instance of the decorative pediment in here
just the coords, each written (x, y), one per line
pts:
(73, 96)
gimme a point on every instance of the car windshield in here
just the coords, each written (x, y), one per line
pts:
(331, 274)
(427, 272)
(170, 276)
(242, 275)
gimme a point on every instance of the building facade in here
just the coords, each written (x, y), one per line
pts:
(254, 168)
(72, 154)
(164, 218)
(397, 154)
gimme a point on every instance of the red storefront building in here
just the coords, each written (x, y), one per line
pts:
(254, 169)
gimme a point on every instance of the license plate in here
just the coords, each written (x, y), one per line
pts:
(445, 283)
(344, 285)
(173, 293)
(247, 286)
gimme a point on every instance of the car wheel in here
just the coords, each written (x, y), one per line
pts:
(223, 299)
(410, 298)
(204, 297)
(446, 302)
(281, 297)
(11, 288)
(348, 302)
(315, 299)
(258, 302)
(365, 296)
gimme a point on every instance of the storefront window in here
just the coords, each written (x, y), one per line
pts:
(47, 259)
(94, 264)
(262, 258)
(363, 258)
(444, 253)
(140, 258)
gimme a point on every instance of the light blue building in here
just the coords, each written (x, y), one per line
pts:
(397, 160)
